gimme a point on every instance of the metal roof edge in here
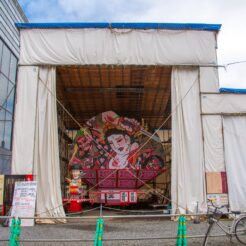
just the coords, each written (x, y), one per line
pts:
(172, 26)
(233, 90)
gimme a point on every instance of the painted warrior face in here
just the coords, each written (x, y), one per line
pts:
(119, 143)
(84, 143)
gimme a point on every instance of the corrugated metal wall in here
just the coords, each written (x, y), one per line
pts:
(10, 13)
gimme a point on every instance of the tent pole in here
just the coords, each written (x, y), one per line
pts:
(202, 131)
(157, 65)
(226, 114)
(223, 141)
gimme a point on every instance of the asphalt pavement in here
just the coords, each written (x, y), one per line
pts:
(116, 232)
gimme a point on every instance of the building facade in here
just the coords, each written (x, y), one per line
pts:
(10, 13)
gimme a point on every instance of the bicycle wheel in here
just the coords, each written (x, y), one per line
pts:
(240, 230)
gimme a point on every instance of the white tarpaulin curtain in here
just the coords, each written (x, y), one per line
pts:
(46, 152)
(223, 103)
(188, 182)
(116, 46)
(213, 143)
(40, 89)
(235, 156)
(209, 79)
(212, 124)
(24, 118)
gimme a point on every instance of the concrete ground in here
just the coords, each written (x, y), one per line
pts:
(115, 229)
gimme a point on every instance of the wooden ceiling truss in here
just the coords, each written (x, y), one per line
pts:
(140, 92)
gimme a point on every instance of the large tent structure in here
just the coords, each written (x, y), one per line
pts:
(207, 126)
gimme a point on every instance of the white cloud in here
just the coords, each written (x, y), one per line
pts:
(81, 10)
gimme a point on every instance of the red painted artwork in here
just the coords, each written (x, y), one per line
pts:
(116, 152)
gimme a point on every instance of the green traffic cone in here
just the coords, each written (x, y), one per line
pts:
(100, 239)
(96, 233)
(181, 225)
(17, 232)
(101, 227)
(179, 242)
(179, 233)
(102, 221)
(184, 232)
(12, 232)
(183, 229)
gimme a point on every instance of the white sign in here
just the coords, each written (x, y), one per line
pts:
(124, 196)
(1, 189)
(133, 197)
(24, 201)
(112, 195)
(219, 200)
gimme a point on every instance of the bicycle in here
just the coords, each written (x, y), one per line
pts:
(236, 228)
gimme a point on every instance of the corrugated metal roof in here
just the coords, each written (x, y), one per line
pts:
(139, 92)
(173, 26)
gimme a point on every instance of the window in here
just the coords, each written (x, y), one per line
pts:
(8, 67)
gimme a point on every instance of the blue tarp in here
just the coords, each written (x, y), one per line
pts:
(232, 90)
(174, 26)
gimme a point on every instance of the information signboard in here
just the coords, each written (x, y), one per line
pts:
(24, 201)
(1, 189)
(219, 200)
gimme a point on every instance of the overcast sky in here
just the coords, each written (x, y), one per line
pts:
(230, 13)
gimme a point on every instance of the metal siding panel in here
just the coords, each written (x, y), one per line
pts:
(8, 26)
(10, 17)
(9, 14)
(14, 47)
(18, 10)
(12, 11)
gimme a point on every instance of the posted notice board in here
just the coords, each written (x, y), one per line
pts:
(24, 201)
(1, 189)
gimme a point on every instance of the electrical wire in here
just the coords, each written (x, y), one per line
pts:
(234, 63)
(132, 211)
(84, 211)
